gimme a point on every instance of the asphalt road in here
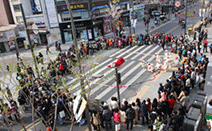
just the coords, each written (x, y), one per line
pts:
(131, 73)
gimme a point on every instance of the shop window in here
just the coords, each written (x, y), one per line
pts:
(19, 19)
(97, 32)
(84, 15)
(16, 8)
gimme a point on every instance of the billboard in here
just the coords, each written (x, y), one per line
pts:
(52, 14)
(36, 6)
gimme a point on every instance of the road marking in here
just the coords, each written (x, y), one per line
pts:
(149, 53)
(129, 83)
(141, 52)
(132, 53)
(123, 53)
(35, 125)
(152, 57)
(100, 96)
(105, 82)
(118, 52)
(142, 91)
(70, 82)
(78, 84)
(31, 124)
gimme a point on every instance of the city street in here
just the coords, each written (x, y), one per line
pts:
(131, 71)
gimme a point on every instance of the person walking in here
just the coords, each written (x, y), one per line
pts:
(130, 114)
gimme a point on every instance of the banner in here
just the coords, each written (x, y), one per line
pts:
(76, 103)
(82, 108)
(51, 12)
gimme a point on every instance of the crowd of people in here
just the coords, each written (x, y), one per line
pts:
(168, 110)
(163, 113)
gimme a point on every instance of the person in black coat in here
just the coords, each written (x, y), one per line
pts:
(144, 112)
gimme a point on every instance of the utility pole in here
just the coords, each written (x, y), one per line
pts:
(117, 84)
(78, 60)
(30, 44)
(193, 14)
(131, 15)
(185, 17)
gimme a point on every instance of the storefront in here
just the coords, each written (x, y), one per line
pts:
(83, 31)
(98, 27)
(7, 39)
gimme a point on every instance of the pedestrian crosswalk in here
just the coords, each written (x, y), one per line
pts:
(131, 71)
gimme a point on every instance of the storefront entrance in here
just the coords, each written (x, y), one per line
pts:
(2, 47)
(43, 38)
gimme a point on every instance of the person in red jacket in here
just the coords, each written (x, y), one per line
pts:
(167, 40)
(130, 40)
(61, 68)
(171, 102)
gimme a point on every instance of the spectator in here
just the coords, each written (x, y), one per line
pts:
(107, 115)
(144, 112)
(130, 114)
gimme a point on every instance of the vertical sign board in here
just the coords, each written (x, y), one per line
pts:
(52, 14)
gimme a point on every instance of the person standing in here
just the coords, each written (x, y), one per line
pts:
(47, 49)
(144, 112)
(107, 115)
(205, 44)
(130, 114)
(17, 55)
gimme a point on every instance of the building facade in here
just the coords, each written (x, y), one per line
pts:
(7, 28)
(90, 18)
(41, 19)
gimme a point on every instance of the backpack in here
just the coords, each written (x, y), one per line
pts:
(107, 115)
(131, 113)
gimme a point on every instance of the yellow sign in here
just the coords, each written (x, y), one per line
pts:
(82, 107)
(80, 6)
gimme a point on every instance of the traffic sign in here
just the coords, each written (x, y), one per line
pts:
(177, 4)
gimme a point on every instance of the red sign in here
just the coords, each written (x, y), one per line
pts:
(177, 4)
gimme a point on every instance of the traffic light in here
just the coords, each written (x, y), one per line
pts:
(118, 78)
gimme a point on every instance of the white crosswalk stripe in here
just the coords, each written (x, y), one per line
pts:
(147, 54)
(158, 52)
(132, 80)
(122, 78)
(132, 53)
(118, 52)
(123, 53)
(105, 82)
(129, 83)
(108, 60)
(140, 53)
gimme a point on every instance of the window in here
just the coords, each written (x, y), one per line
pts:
(19, 19)
(16, 8)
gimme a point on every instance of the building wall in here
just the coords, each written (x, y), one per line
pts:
(3, 13)
(8, 11)
(14, 13)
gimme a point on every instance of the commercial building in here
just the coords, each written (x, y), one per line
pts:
(41, 18)
(7, 28)
(90, 18)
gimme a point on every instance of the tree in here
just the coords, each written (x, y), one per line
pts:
(113, 13)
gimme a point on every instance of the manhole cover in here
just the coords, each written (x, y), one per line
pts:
(130, 93)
